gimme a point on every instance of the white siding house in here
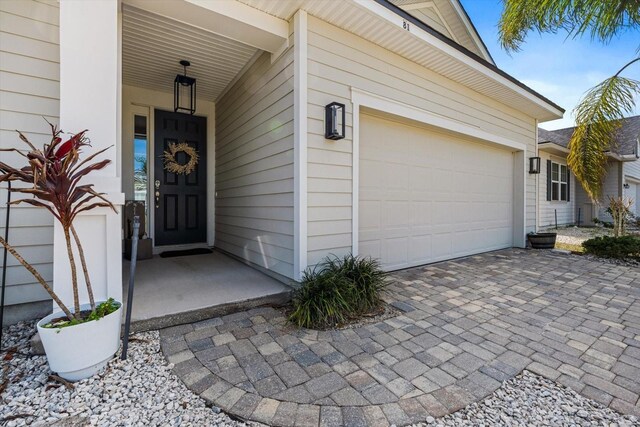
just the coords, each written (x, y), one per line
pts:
(29, 94)
(622, 178)
(426, 109)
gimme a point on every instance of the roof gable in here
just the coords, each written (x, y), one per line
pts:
(449, 18)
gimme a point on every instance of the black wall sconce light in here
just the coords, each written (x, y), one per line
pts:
(334, 121)
(626, 185)
(184, 92)
(534, 164)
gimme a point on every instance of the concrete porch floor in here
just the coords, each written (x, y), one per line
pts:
(173, 291)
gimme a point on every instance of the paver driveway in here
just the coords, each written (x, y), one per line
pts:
(467, 325)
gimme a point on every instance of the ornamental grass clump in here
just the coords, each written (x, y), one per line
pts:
(52, 177)
(366, 277)
(336, 291)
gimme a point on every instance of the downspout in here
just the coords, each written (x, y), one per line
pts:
(537, 178)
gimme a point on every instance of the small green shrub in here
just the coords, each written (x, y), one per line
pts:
(624, 247)
(337, 290)
(366, 277)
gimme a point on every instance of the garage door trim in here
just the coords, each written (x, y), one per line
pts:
(360, 98)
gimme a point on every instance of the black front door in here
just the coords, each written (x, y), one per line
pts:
(180, 198)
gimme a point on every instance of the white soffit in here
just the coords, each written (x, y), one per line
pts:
(152, 46)
(373, 22)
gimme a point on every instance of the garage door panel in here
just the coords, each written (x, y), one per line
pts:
(420, 249)
(396, 214)
(395, 251)
(371, 248)
(430, 196)
(370, 176)
(370, 215)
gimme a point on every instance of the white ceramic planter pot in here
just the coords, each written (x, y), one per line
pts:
(80, 351)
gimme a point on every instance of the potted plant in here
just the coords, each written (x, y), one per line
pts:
(542, 240)
(78, 341)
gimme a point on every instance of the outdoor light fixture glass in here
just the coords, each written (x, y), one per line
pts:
(184, 92)
(334, 121)
(534, 164)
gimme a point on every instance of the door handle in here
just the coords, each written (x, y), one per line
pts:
(157, 193)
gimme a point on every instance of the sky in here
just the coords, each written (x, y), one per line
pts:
(560, 68)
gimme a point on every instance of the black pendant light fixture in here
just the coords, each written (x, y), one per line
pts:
(184, 91)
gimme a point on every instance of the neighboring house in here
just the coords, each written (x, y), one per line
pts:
(433, 166)
(562, 196)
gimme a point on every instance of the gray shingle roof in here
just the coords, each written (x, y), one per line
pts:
(626, 138)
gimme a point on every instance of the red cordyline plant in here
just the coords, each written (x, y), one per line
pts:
(53, 176)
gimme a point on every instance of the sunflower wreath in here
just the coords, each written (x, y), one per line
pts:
(172, 165)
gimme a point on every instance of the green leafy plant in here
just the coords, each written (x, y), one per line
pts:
(624, 247)
(53, 177)
(103, 309)
(337, 290)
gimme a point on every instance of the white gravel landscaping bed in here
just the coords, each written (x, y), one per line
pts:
(142, 391)
(530, 400)
(577, 235)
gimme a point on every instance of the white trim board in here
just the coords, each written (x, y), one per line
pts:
(431, 5)
(424, 36)
(230, 19)
(396, 108)
(360, 98)
(300, 144)
(472, 31)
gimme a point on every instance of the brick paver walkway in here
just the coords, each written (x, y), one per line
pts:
(466, 326)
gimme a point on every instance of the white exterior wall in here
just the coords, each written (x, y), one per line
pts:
(632, 169)
(90, 98)
(632, 177)
(338, 61)
(548, 208)
(612, 187)
(584, 203)
(29, 91)
(254, 166)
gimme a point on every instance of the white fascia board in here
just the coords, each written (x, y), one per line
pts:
(474, 35)
(300, 144)
(424, 36)
(230, 18)
(551, 147)
(370, 100)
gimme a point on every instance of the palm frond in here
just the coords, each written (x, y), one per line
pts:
(597, 120)
(601, 20)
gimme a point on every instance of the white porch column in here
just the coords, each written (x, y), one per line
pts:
(90, 88)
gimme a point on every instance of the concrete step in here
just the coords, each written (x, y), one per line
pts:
(165, 321)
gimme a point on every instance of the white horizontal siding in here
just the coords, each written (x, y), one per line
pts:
(549, 208)
(612, 186)
(254, 166)
(29, 91)
(337, 61)
(632, 169)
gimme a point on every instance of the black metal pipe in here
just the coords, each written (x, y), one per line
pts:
(132, 273)
(579, 216)
(4, 261)
(555, 212)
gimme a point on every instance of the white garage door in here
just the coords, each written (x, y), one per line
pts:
(427, 196)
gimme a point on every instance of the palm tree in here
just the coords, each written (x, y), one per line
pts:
(599, 112)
